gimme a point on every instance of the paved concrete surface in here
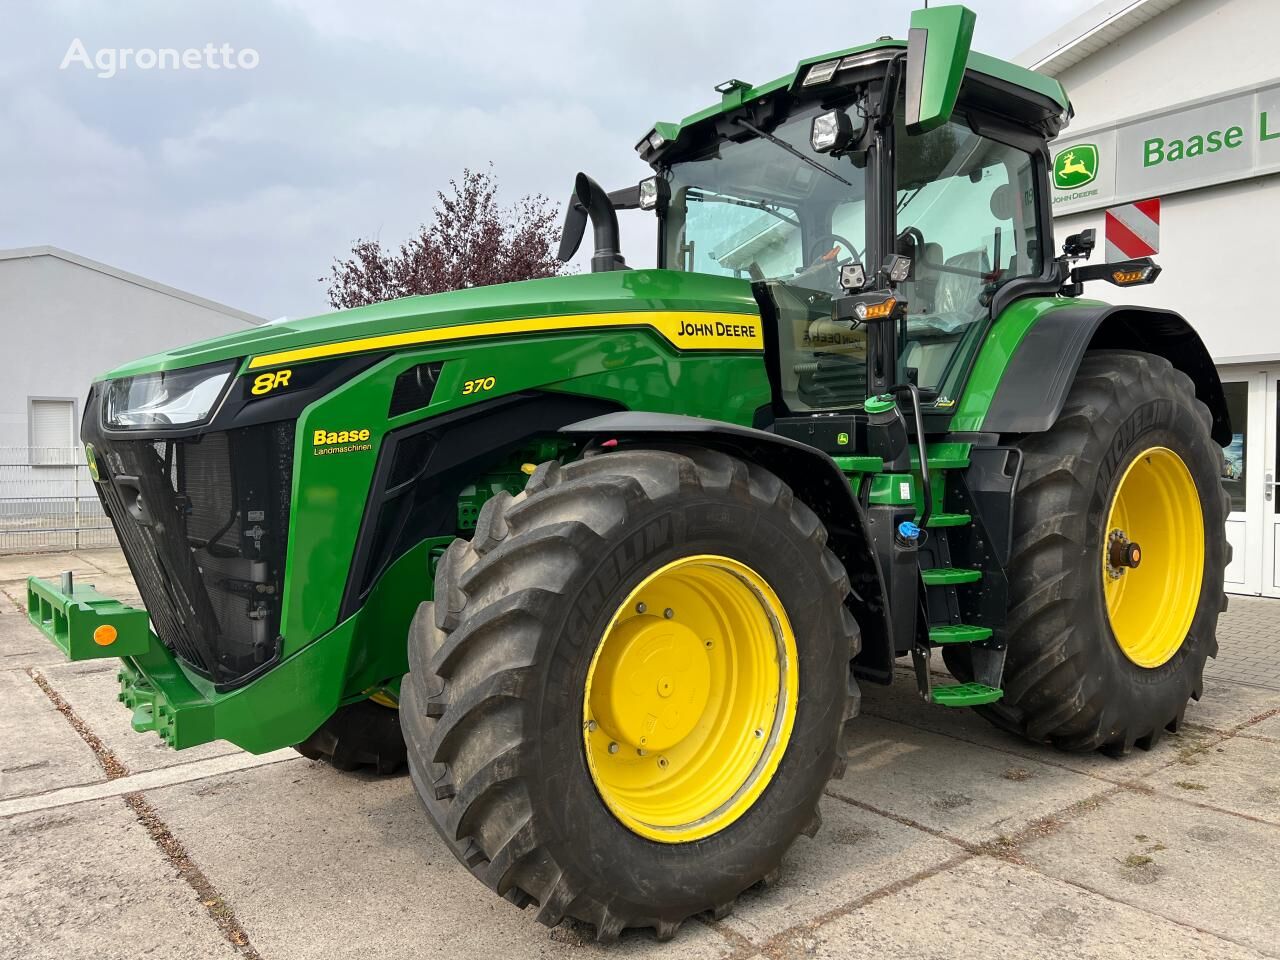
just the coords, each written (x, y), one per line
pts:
(946, 838)
(1250, 653)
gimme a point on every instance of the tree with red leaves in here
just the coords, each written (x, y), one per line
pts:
(471, 241)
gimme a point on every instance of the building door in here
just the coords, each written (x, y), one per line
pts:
(1270, 489)
(1248, 476)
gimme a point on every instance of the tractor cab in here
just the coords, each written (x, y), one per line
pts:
(808, 187)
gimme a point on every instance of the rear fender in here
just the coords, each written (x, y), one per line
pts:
(815, 479)
(1040, 373)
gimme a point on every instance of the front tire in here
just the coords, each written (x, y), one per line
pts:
(362, 736)
(1102, 655)
(496, 706)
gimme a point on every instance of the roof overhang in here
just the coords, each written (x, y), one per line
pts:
(1088, 33)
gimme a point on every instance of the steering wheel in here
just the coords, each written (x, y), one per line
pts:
(818, 243)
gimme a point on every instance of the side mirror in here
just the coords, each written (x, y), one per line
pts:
(937, 52)
(1078, 246)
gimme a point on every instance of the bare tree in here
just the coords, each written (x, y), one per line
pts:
(470, 241)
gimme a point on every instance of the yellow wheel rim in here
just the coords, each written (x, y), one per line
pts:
(1153, 557)
(690, 699)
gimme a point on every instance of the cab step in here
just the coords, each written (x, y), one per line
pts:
(958, 633)
(966, 694)
(949, 520)
(949, 576)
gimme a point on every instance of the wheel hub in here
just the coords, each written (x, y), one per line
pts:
(652, 683)
(1122, 554)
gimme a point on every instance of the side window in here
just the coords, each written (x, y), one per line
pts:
(966, 214)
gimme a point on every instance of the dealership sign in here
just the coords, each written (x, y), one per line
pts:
(1230, 136)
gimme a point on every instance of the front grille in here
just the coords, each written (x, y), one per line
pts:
(203, 522)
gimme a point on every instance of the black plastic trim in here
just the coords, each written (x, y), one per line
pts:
(464, 443)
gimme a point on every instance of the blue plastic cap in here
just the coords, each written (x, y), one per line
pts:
(908, 530)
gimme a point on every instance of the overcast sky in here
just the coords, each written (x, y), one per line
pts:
(243, 184)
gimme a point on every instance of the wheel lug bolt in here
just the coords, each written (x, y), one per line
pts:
(613, 748)
(668, 613)
(592, 726)
(641, 607)
(662, 762)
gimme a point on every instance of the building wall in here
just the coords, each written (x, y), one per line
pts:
(1194, 49)
(65, 323)
(1217, 244)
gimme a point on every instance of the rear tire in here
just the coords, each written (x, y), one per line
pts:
(1067, 680)
(493, 707)
(359, 736)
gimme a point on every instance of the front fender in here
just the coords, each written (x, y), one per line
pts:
(811, 474)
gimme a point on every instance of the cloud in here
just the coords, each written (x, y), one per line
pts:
(243, 186)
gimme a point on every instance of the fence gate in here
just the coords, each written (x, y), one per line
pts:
(47, 501)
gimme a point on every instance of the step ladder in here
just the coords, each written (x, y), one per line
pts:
(964, 595)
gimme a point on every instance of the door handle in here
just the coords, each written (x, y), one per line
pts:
(1270, 483)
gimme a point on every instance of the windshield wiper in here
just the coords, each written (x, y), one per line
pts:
(703, 196)
(776, 141)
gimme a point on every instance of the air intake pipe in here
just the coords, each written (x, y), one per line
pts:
(590, 200)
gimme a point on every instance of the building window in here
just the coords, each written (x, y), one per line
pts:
(52, 430)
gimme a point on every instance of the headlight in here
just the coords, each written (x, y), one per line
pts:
(173, 398)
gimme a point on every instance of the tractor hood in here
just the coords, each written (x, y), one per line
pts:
(613, 292)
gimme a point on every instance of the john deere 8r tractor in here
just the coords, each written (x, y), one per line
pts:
(606, 554)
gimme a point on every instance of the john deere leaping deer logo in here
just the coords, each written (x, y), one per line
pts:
(1075, 166)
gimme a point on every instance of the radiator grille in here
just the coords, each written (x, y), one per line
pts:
(203, 523)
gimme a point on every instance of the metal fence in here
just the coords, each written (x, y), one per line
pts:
(47, 501)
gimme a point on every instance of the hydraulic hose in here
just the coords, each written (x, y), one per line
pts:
(918, 418)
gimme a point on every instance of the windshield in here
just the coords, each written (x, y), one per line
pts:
(755, 210)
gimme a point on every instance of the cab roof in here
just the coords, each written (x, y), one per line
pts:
(1011, 79)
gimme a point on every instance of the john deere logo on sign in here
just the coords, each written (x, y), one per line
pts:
(1075, 166)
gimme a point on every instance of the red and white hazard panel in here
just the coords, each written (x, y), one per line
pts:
(1133, 230)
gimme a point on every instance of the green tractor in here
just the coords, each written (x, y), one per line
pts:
(604, 556)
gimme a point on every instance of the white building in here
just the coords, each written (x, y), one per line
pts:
(1180, 100)
(66, 319)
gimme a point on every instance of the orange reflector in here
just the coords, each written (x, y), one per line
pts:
(1129, 276)
(104, 635)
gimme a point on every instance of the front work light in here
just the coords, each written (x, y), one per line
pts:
(830, 131)
(852, 277)
(897, 267)
(168, 398)
(821, 73)
(654, 193)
